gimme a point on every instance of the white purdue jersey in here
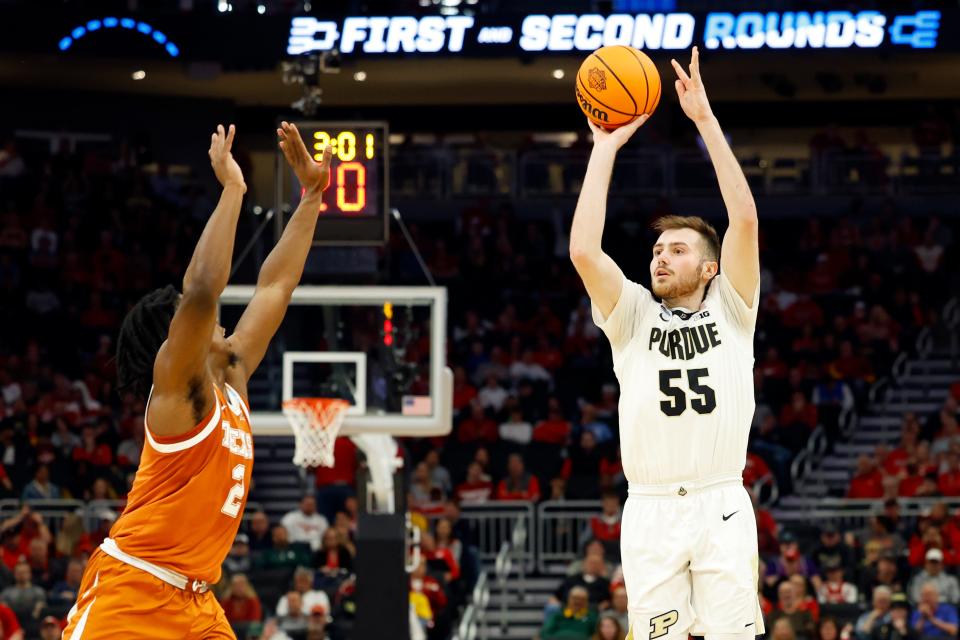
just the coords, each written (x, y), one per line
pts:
(686, 383)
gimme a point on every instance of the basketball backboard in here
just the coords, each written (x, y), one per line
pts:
(382, 349)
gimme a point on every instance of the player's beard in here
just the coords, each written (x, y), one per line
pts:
(678, 286)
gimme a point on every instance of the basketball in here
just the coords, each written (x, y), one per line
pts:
(617, 84)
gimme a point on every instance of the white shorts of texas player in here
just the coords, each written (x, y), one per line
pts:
(690, 561)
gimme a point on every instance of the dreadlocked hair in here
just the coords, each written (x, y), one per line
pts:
(142, 333)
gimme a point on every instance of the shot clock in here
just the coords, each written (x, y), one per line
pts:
(355, 206)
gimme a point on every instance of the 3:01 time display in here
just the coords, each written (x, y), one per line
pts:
(356, 204)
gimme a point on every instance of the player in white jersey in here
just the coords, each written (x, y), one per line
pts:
(685, 366)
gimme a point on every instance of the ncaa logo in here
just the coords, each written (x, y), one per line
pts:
(233, 401)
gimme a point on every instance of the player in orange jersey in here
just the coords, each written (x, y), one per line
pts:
(150, 578)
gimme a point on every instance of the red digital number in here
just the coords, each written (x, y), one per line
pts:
(360, 201)
(361, 198)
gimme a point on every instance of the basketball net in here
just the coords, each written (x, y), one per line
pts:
(316, 423)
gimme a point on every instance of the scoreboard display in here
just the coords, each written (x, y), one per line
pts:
(355, 209)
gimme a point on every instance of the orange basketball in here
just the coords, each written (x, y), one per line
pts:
(616, 84)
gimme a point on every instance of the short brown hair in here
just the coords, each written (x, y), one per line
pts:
(711, 239)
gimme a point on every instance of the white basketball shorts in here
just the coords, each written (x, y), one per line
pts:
(690, 560)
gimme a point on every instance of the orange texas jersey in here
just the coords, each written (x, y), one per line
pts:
(187, 500)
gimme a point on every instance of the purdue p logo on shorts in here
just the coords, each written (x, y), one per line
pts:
(659, 625)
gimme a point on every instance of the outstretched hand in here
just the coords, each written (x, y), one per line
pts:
(313, 176)
(690, 90)
(619, 136)
(221, 158)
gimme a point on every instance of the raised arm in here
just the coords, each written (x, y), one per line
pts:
(740, 253)
(600, 274)
(282, 269)
(180, 374)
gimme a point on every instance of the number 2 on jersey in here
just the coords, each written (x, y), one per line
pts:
(231, 506)
(677, 404)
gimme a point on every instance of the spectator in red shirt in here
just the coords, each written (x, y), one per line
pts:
(478, 427)
(18, 532)
(429, 586)
(446, 538)
(344, 471)
(755, 469)
(896, 461)
(335, 484)
(9, 625)
(477, 487)
(910, 482)
(240, 602)
(5, 481)
(555, 429)
(799, 411)
(107, 262)
(439, 558)
(547, 355)
(463, 391)
(808, 344)
(821, 279)
(938, 517)
(97, 317)
(868, 481)
(99, 455)
(606, 526)
(772, 366)
(11, 553)
(916, 485)
(611, 471)
(931, 538)
(851, 366)
(545, 321)
(518, 485)
(949, 481)
(767, 527)
(805, 311)
(806, 601)
(925, 464)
